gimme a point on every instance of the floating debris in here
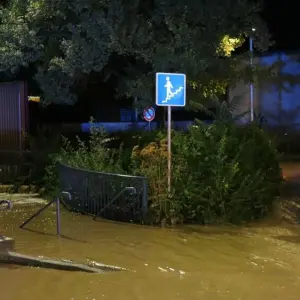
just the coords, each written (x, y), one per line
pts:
(167, 269)
(8, 257)
(104, 267)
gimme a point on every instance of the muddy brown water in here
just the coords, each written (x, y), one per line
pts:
(261, 261)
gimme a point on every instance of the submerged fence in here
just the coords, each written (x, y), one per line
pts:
(112, 196)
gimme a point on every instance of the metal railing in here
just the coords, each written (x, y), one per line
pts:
(130, 189)
(8, 204)
(57, 201)
(112, 196)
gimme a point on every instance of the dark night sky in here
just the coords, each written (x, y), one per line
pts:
(283, 19)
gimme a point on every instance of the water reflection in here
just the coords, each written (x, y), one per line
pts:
(194, 262)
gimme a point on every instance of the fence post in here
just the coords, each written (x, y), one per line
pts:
(145, 198)
(58, 216)
(37, 213)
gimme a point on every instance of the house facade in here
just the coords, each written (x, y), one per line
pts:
(277, 96)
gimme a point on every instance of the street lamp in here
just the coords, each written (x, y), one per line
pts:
(251, 83)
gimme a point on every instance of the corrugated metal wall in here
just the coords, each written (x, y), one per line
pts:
(13, 128)
(13, 115)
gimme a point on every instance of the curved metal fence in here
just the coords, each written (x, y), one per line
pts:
(112, 196)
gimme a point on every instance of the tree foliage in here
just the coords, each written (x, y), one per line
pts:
(125, 42)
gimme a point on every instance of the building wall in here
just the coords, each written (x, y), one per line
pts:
(242, 92)
(276, 97)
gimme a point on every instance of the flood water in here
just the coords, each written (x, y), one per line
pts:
(261, 261)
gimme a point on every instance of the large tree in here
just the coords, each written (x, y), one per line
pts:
(124, 42)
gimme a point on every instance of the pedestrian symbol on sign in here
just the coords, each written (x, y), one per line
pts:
(170, 89)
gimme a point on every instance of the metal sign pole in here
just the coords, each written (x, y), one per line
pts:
(149, 115)
(170, 91)
(169, 148)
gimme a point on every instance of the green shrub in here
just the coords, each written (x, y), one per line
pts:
(132, 138)
(92, 155)
(151, 161)
(41, 146)
(220, 173)
(231, 174)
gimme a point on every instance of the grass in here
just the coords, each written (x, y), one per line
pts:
(22, 189)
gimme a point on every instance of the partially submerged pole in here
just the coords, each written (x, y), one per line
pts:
(58, 216)
(37, 213)
(57, 202)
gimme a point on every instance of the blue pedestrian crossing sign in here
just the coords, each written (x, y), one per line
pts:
(170, 89)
